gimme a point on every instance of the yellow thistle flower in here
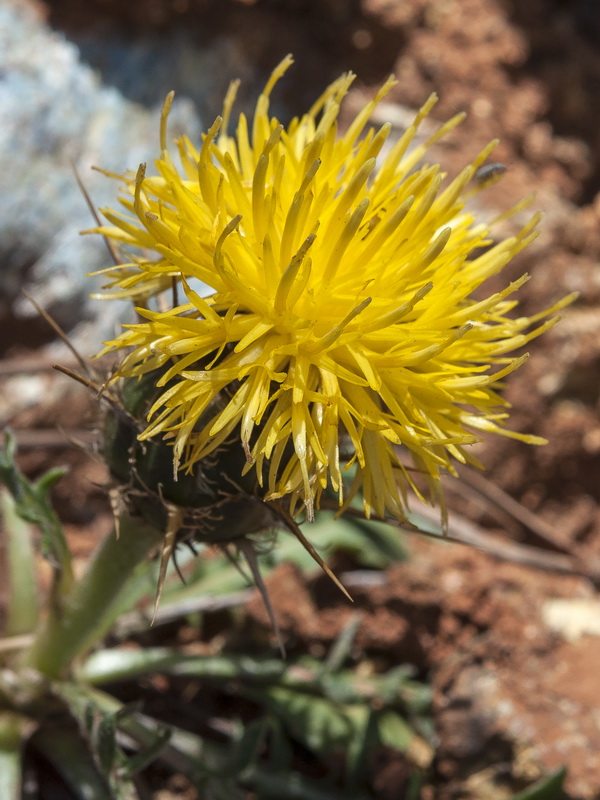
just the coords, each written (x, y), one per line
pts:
(340, 329)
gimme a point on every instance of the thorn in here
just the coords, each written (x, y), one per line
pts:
(70, 373)
(177, 569)
(114, 496)
(173, 525)
(80, 444)
(100, 389)
(294, 528)
(190, 544)
(235, 563)
(59, 332)
(245, 546)
(114, 253)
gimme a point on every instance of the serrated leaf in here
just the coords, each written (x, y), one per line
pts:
(32, 503)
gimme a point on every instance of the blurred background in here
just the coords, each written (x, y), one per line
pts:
(81, 84)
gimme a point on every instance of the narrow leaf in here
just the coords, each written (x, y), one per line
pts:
(147, 754)
(70, 756)
(22, 603)
(105, 743)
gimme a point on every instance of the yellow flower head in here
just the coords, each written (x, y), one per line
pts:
(339, 329)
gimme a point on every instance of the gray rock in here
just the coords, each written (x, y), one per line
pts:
(55, 112)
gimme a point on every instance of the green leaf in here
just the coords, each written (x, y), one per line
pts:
(32, 503)
(340, 649)
(185, 751)
(115, 664)
(415, 786)
(146, 755)
(548, 788)
(246, 749)
(208, 765)
(222, 788)
(315, 721)
(105, 743)
(98, 733)
(66, 749)
(394, 684)
(393, 730)
(358, 750)
(239, 667)
(382, 544)
(293, 786)
(280, 747)
(21, 601)
(342, 688)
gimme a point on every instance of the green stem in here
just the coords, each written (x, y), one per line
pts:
(95, 601)
(12, 731)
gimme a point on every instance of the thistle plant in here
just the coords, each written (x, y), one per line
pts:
(312, 332)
